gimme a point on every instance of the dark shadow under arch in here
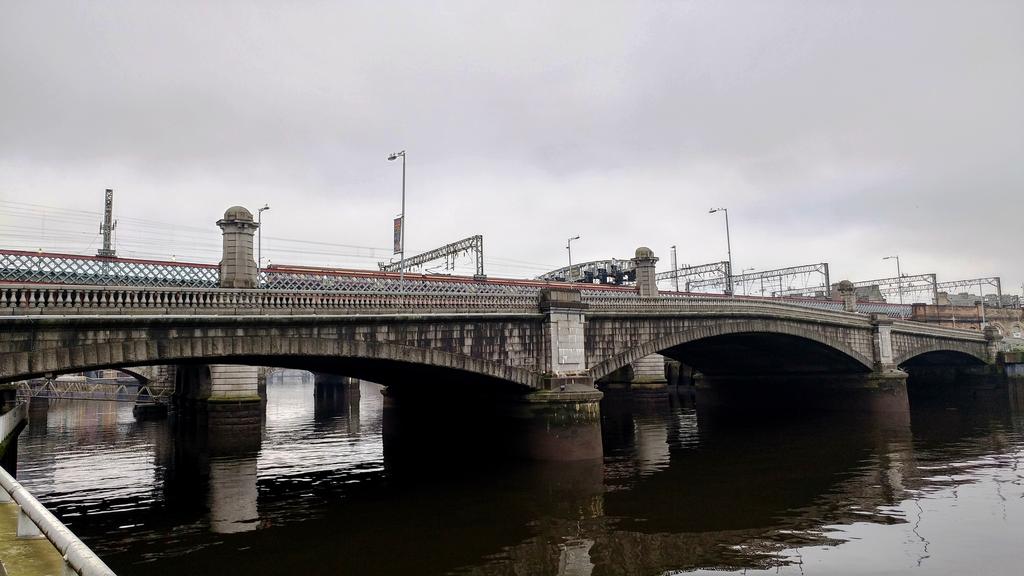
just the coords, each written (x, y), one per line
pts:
(940, 354)
(377, 362)
(748, 347)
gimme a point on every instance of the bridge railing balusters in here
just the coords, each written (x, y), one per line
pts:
(361, 298)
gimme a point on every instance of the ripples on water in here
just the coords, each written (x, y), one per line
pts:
(676, 493)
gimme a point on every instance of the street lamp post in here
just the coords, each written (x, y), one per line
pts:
(675, 268)
(401, 231)
(981, 291)
(728, 244)
(568, 246)
(259, 241)
(899, 275)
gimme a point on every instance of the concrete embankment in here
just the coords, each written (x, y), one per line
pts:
(32, 540)
(25, 557)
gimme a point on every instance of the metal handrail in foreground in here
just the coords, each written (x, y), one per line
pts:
(34, 518)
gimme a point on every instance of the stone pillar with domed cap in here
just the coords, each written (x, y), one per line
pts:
(646, 280)
(237, 267)
(848, 294)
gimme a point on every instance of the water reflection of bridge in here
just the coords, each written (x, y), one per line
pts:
(675, 492)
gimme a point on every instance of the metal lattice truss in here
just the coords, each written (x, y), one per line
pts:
(806, 280)
(32, 267)
(611, 271)
(43, 268)
(980, 283)
(905, 289)
(448, 252)
(58, 389)
(701, 278)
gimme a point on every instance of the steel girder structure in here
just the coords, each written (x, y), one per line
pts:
(45, 268)
(85, 390)
(611, 271)
(904, 286)
(448, 252)
(702, 276)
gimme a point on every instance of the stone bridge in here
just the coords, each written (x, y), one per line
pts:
(538, 341)
(543, 343)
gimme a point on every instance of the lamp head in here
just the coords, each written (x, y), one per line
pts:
(396, 155)
(265, 207)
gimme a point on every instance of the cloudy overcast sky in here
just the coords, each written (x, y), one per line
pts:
(833, 131)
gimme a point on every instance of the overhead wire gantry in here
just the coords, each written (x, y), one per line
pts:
(448, 252)
(980, 283)
(803, 280)
(902, 288)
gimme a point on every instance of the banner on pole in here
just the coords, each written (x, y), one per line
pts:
(398, 235)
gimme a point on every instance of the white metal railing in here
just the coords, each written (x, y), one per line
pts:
(35, 520)
(21, 299)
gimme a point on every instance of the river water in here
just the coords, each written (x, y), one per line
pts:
(677, 491)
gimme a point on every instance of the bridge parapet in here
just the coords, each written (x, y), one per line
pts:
(922, 329)
(32, 299)
(39, 299)
(682, 303)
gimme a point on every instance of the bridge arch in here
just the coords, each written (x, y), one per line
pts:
(931, 349)
(374, 361)
(851, 359)
(134, 372)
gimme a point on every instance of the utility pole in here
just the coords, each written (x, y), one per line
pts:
(108, 225)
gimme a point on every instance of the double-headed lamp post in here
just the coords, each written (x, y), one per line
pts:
(568, 246)
(899, 275)
(401, 263)
(728, 245)
(259, 241)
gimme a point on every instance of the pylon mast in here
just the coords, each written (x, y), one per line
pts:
(108, 225)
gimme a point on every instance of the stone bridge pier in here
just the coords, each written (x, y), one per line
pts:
(334, 394)
(647, 376)
(220, 401)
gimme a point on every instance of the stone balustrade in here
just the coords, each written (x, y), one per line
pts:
(29, 299)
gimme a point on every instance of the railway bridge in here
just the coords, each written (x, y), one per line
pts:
(539, 347)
